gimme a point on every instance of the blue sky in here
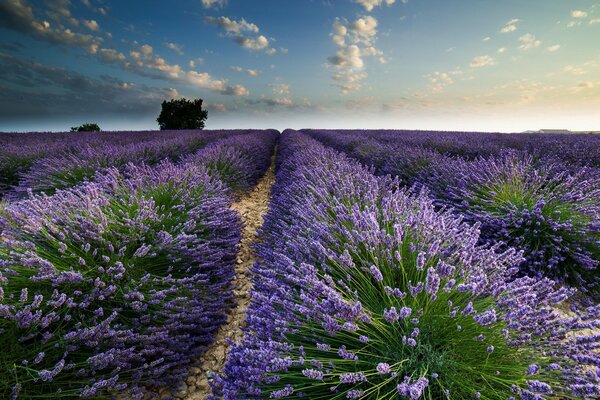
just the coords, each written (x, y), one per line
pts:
(489, 65)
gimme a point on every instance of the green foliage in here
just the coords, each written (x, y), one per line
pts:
(87, 127)
(181, 114)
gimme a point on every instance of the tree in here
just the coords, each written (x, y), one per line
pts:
(87, 127)
(182, 114)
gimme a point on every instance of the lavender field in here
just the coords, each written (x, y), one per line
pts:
(387, 265)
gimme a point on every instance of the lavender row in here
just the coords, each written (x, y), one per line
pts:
(20, 150)
(578, 149)
(364, 290)
(118, 285)
(239, 161)
(46, 162)
(543, 206)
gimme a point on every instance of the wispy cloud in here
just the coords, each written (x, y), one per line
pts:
(578, 14)
(510, 26)
(528, 41)
(553, 48)
(214, 3)
(482, 61)
(177, 48)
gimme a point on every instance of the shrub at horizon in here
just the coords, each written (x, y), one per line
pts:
(179, 114)
(364, 291)
(116, 285)
(87, 127)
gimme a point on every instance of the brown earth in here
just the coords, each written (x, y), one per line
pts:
(251, 207)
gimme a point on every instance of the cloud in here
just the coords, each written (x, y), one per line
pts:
(595, 21)
(244, 33)
(349, 57)
(194, 63)
(250, 72)
(144, 59)
(585, 85)
(528, 41)
(45, 90)
(177, 48)
(578, 14)
(17, 15)
(280, 89)
(553, 48)
(486, 39)
(482, 61)
(214, 3)
(510, 26)
(216, 107)
(235, 90)
(369, 5)
(92, 25)
(232, 26)
(501, 50)
(111, 55)
(354, 41)
(258, 43)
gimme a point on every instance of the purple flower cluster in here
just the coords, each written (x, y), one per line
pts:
(542, 199)
(118, 285)
(79, 162)
(239, 161)
(364, 290)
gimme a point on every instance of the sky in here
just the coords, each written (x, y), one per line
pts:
(488, 65)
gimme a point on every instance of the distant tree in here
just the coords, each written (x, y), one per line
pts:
(182, 114)
(86, 128)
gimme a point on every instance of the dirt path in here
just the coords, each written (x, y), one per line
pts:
(252, 208)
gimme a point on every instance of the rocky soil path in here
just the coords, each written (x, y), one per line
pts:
(251, 207)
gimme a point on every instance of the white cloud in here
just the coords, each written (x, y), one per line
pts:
(595, 21)
(354, 40)
(177, 48)
(529, 42)
(501, 50)
(553, 48)
(92, 25)
(486, 39)
(280, 89)
(244, 33)
(510, 26)
(347, 57)
(482, 61)
(214, 3)
(578, 14)
(250, 72)
(369, 5)
(232, 26)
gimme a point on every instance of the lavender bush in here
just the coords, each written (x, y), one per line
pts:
(239, 161)
(71, 168)
(544, 209)
(114, 286)
(536, 202)
(364, 291)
